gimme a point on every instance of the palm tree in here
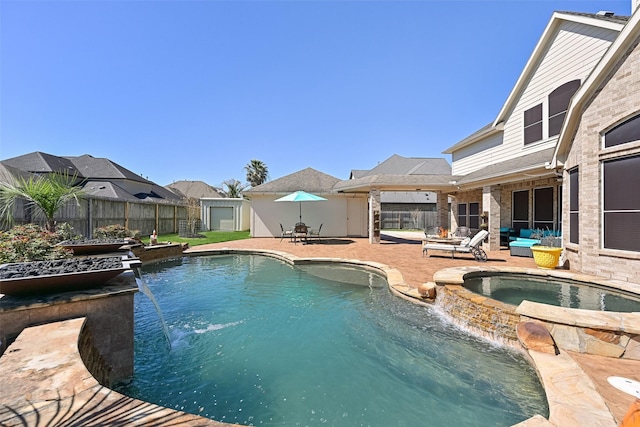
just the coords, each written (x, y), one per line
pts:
(257, 172)
(47, 194)
(234, 188)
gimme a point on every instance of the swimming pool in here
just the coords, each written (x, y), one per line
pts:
(257, 341)
(513, 289)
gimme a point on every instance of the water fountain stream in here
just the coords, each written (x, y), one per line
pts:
(142, 286)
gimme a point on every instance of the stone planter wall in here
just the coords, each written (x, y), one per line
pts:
(158, 252)
(109, 313)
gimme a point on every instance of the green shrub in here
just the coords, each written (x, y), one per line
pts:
(115, 231)
(24, 243)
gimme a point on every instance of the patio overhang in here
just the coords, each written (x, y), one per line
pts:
(442, 183)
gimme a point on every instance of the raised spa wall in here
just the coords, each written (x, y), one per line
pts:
(599, 333)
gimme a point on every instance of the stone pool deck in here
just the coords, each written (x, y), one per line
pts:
(45, 382)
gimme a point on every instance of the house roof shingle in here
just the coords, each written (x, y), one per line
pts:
(194, 189)
(308, 179)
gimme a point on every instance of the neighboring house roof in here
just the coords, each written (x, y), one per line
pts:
(600, 75)
(399, 173)
(397, 183)
(518, 166)
(107, 190)
(194, 189)
(357, 173)
(614, 22)
(100, 177)
(308, 179)
(7, 172)
(398, 165)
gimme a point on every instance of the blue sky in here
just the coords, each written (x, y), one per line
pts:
(194, 90)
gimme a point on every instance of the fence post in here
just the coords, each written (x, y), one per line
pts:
(126, 215)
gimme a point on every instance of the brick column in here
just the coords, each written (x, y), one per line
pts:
(491, 205)
(442, 204)
(374, 215)
(452, 214)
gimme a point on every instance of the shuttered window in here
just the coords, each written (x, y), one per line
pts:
(574, 206)
(559, 103)
(533, 124)
(628, 131)
(622, 204)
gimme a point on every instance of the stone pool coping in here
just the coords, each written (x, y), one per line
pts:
(612, 321)
(49, 355)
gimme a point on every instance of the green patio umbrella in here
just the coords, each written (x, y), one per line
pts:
(300, 196)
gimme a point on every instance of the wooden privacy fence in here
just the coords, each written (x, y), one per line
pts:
(93, 213)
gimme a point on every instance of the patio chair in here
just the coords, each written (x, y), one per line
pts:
(301, 232)
(315, 234)
(285, 233)
(468, 245)
(462, 232)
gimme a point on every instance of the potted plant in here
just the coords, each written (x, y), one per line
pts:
(546, 257)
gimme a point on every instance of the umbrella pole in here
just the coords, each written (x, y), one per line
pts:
(300, 203)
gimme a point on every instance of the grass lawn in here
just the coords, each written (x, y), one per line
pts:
(210, 237)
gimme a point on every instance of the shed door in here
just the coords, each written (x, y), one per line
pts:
(221, 218)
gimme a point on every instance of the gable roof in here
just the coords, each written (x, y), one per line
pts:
(615, 23)
(194, 189)
(398, 165)
(308, 179)
(600, 75)
(612, 22)
(399, 173)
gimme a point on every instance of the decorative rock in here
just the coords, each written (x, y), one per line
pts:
(534, 336)
(427, 290)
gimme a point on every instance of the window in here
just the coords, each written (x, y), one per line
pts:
(533, 124)
(462, 215)
(559, 208)
(622, 204)
(543, 208)
(558, 105)
(574, 206)
(474, 215)
(625, 132)
(520, 209)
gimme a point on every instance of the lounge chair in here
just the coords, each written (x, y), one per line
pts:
(315, 234)
(285, 233)
(468, 245)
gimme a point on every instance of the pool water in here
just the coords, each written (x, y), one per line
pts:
(256, 341)
(513, 289)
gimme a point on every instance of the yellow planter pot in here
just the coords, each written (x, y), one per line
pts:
(546, 256)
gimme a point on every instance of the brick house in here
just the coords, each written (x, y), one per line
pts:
(598, 153)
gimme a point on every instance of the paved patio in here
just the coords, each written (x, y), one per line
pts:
(400, 250)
